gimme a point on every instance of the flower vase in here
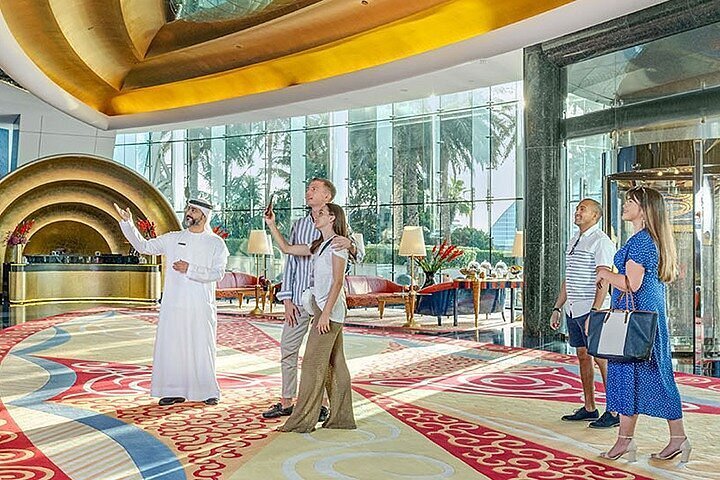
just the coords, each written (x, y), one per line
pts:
(429, 279)
(17, 253)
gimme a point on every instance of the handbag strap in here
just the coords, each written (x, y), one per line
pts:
(327, 244)
(628, 294)
(629, 298)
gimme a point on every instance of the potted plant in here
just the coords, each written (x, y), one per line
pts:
(441, 255)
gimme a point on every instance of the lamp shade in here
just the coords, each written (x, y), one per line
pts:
(518, 244)
(412, 243)
(258, 243)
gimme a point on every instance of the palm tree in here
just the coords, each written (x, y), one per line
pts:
(456, 151)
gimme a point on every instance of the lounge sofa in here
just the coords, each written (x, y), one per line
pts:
(236, 285)
(369, 291)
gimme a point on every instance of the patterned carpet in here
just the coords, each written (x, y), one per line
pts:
(74, 392)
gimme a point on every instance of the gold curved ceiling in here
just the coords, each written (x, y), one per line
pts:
(125, 57)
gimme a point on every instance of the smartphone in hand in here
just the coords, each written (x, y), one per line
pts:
(270, 203)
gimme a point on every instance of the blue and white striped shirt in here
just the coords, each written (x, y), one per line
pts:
(297, 276)
(298, 270)
(585, 253)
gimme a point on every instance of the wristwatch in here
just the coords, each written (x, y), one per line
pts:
(557, 309)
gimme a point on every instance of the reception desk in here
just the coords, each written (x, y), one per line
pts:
(52, 282)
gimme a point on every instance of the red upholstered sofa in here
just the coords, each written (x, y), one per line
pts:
(235, 285)
(367, 291)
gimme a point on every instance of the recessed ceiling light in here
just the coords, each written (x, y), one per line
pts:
(364, 2)
(403, 89)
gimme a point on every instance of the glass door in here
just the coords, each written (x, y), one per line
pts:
(707, 225)
(677, 187)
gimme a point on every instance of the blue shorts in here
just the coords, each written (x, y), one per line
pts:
(576, 330)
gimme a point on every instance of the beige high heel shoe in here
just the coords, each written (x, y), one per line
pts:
(630, 451)
(684, 449)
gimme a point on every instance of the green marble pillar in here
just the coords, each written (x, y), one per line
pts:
(544, 186)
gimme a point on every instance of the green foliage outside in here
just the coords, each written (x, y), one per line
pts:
(389, 186)
(470, 237)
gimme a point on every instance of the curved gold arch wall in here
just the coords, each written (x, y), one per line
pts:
(69, 235)
(80, 189)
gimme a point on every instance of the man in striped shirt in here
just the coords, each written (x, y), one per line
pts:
(589, 250)
(297, 277)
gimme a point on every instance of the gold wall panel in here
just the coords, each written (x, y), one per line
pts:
(60, 282)
(98, 36)
(33, 25)
(143, 19)
(96, 219)
(74, 238)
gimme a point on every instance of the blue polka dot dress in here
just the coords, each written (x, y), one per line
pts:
(645, 387)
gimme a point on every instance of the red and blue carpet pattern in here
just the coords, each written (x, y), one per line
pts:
(75, 405)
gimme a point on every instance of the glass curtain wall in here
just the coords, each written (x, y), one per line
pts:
(449, 164)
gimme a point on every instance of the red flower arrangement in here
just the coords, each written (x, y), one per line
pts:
(441, 255)
(19, 236)
(221, 232)
(146, 228)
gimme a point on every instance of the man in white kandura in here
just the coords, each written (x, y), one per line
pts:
(185, 346)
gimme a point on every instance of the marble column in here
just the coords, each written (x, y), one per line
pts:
(544, 187)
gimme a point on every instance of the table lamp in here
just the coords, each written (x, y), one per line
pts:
(412, 245)
(258, 245)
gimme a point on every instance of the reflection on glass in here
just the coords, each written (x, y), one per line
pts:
(585, 173)
(680, 63)
(677, 189)
(506, 92)
(219, 10)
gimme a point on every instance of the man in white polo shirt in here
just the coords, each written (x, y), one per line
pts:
(589, 250)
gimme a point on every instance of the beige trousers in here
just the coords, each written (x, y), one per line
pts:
(290, 342)
(323, 368)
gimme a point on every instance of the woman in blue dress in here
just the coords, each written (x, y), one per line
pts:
(645, 264)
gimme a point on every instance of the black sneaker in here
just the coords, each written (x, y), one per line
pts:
(581, 415)
(211, 401)
(324, 414)
(277, 410)
(607, 420)
(165, 401)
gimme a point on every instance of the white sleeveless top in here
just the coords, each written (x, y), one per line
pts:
(323, 279)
